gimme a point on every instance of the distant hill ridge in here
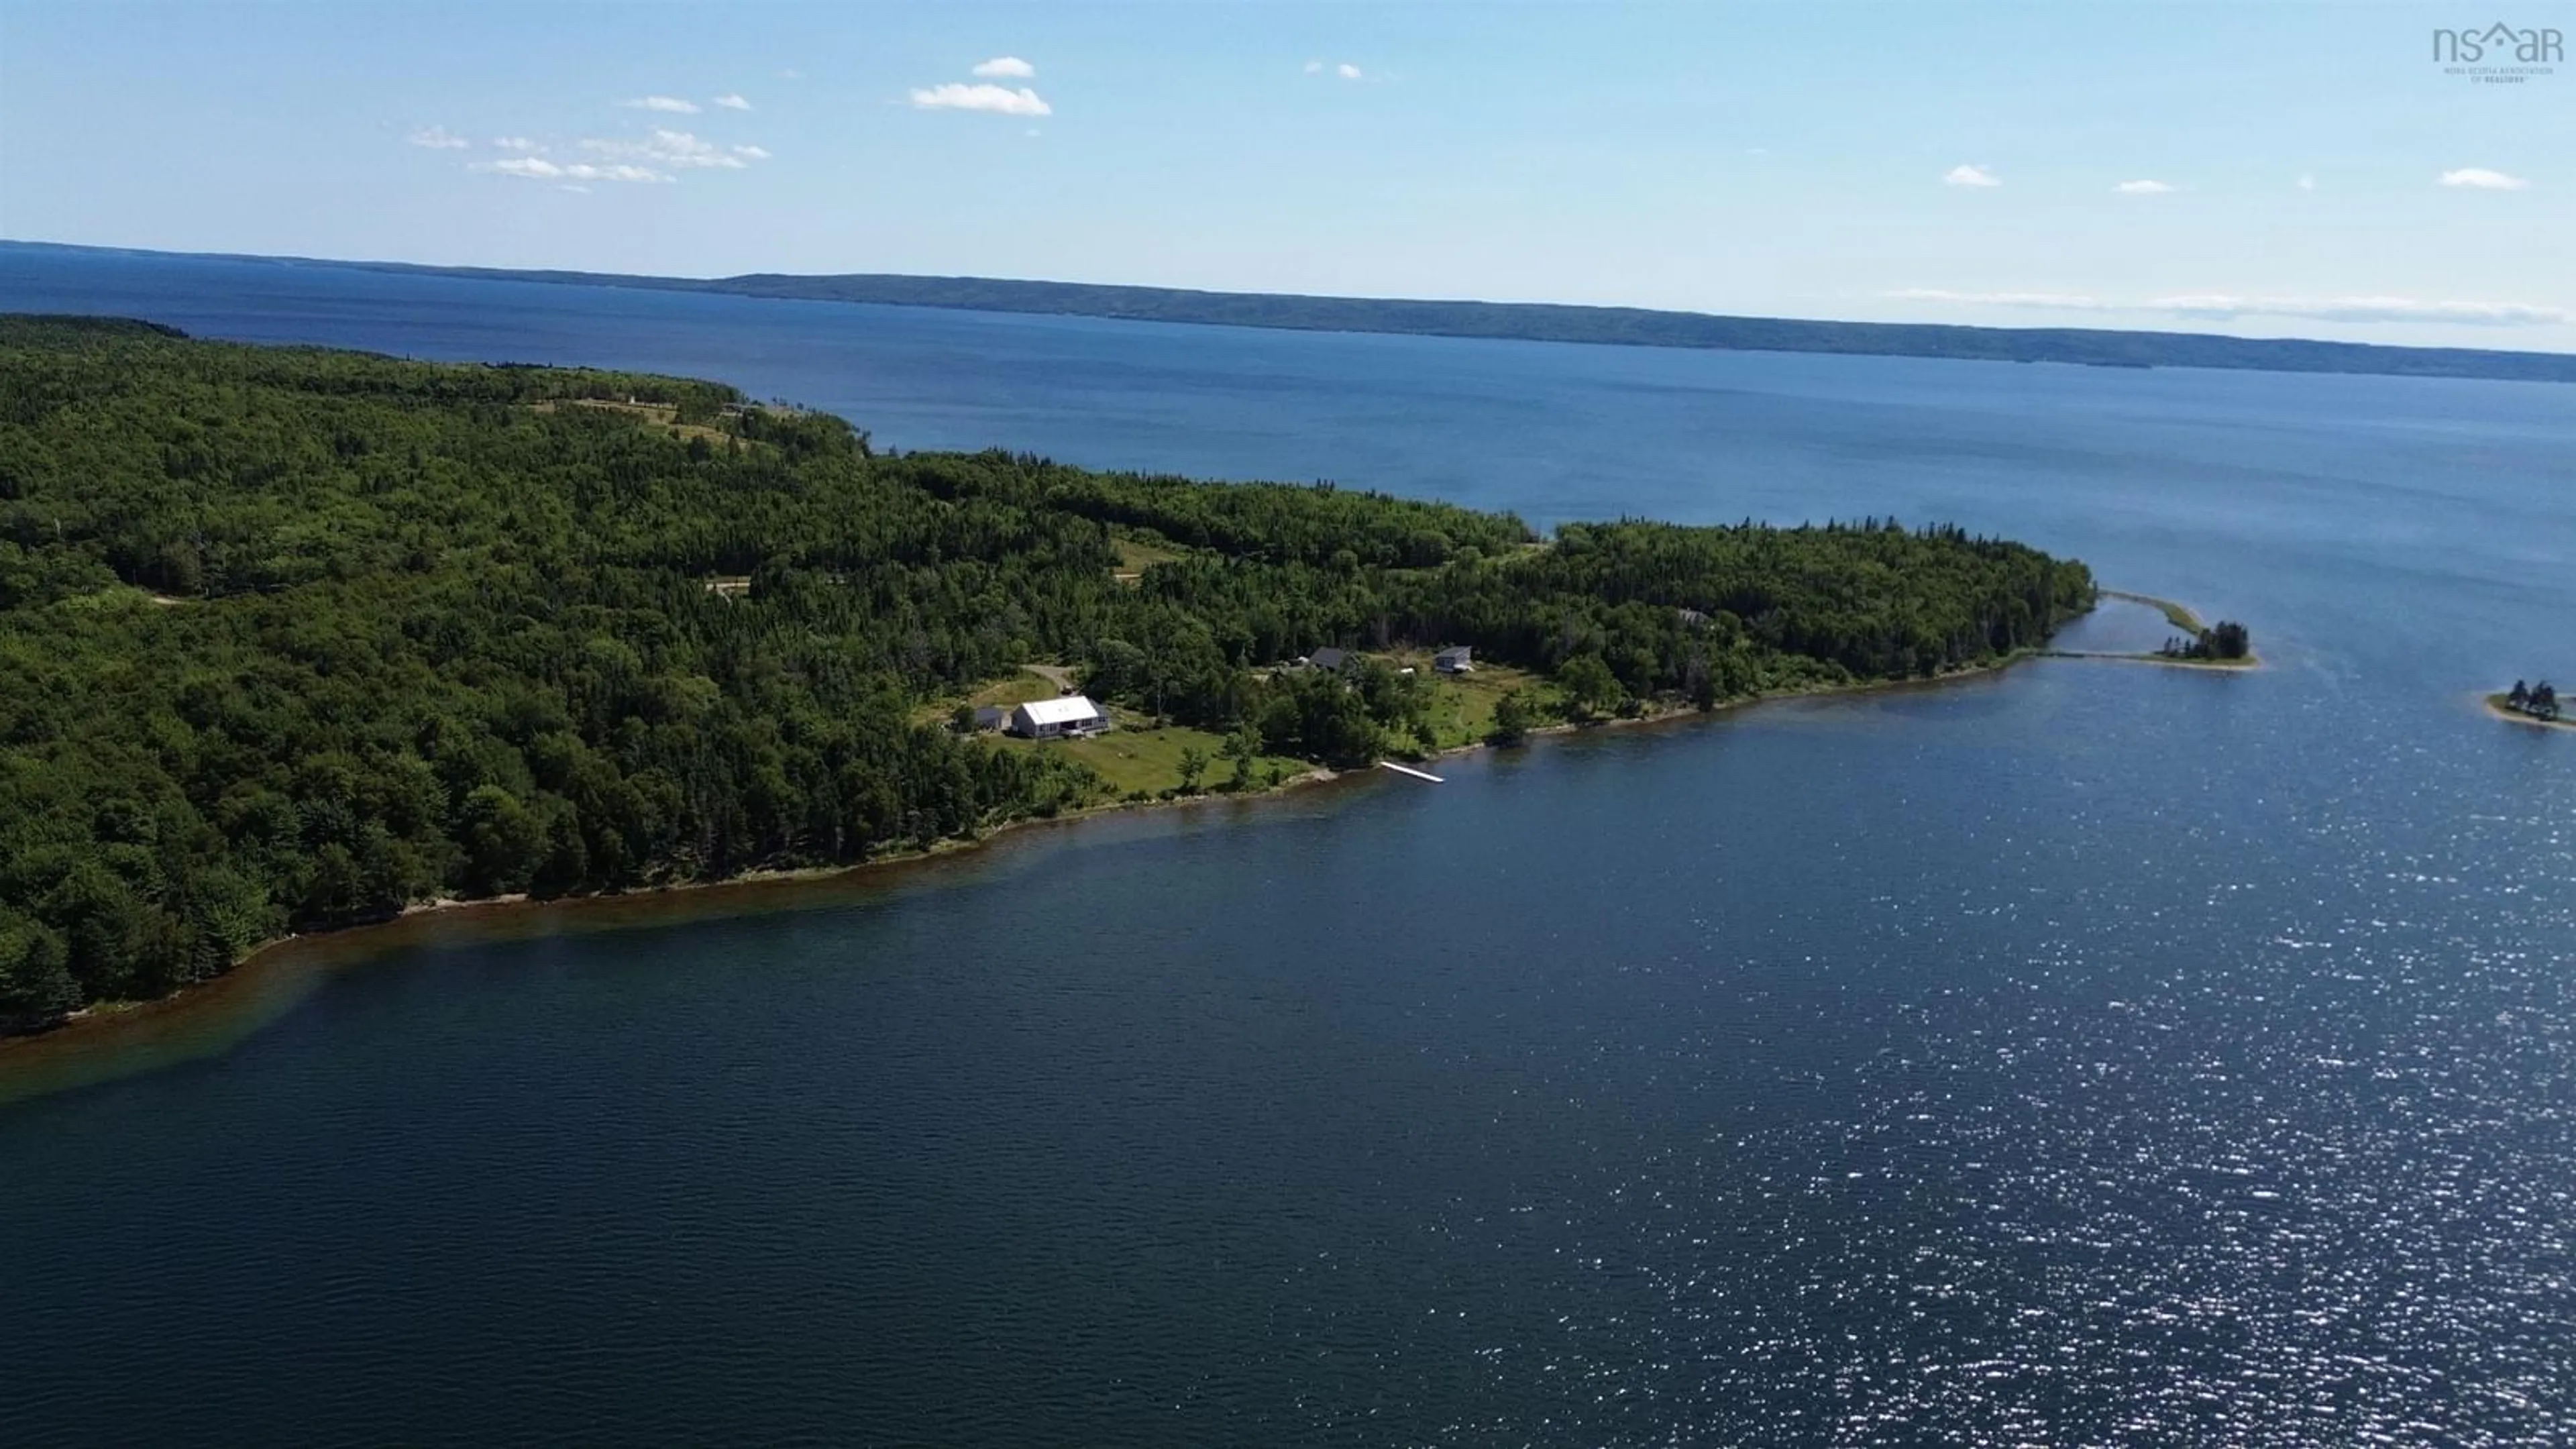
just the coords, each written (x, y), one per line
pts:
(1554, 322)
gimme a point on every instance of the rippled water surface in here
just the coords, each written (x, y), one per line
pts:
(2094, 1052)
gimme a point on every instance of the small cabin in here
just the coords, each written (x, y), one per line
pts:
(1329, 660)
(1071, 715)
(1456, 659)
(991, 717)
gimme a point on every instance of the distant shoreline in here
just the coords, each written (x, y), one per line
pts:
(1510, 321)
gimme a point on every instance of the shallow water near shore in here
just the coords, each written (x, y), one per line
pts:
(2077, 1053)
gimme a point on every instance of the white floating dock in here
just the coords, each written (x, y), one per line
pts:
(1408, 770)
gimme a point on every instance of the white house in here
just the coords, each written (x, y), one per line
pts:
(1046, 719)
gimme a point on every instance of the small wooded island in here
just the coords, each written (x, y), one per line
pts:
(2226, 644)
(301, 638)
(2530, 704)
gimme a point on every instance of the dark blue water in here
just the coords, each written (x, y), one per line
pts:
(2090, 1053)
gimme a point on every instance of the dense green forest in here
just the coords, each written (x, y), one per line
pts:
(296, 637)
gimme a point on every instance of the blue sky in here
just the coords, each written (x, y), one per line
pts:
(2290, 169)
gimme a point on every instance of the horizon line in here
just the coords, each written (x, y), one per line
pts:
(743, 283)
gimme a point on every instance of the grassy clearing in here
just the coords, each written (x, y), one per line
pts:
(660, 415)
(1135, 555)
(1150, 759)
(1019, 688)
(1462, 705)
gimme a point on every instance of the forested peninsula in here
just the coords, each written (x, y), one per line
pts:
(298, 638)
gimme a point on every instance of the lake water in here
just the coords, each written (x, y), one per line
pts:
(2088, 1053)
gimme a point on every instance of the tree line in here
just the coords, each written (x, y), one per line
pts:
(294, 638)
(2223, 640)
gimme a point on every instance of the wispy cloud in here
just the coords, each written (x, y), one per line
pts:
(2066, 301)
(651, 160)
(1000, 100)
(678, 150)
(672, 104)
(732, 103)
(1006, 67)
(2479, 178)
(2367, 309)
(1347, 71)
(538, 168)
(438, 138)
(2226, 307)
(2142, 188)
(2307, 181)
(1970, 176)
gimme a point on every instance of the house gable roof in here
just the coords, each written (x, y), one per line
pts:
(1069, 709)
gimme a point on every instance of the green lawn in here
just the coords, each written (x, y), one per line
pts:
(1462, 705)
(1150, 759)
(1133, 759)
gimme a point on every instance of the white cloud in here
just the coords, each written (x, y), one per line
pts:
(438, 138)
(1347, 71)
(2063, 301)
(1006, 67)
(1970, 176)
(2220, 306)
(515, 143)
(2366, 309)
(677, 149)
(2481, 179)
(959, 96)
(732, 103)
(538, 168)
(2307, 181)
(2142, 188)
(672, 104)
